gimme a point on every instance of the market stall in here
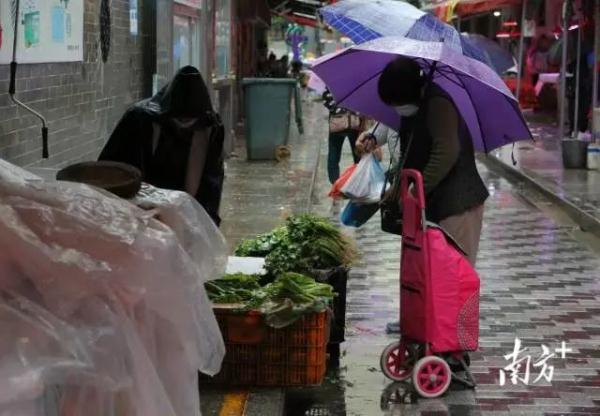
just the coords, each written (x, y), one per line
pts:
(281, 307)
(114, 304)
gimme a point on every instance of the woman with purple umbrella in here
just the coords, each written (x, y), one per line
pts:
(436, 142)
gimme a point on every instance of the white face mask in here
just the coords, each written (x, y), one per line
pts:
(185, 122)
(407, 110)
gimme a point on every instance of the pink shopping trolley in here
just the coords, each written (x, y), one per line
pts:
(439, 302)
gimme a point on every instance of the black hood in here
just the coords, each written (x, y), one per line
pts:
(185, 96)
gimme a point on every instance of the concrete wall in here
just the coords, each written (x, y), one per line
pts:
(82, 101)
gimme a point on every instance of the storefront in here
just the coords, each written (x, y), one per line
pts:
(514, 24)
(187, 36)
(180, 37)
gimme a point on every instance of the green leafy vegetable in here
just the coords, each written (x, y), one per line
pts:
(263, 244)
(306, 242)
(282, 302)
(233, 288)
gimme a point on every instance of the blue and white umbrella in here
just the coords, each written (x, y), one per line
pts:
(501, 59)
(365, 20)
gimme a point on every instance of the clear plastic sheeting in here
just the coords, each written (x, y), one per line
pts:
(192, 225)
(102, 307)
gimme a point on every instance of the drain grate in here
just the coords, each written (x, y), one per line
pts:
(318, 411)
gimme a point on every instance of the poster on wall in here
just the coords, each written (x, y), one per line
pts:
(133, 17)
(49, 31)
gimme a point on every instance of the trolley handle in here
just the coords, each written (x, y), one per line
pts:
(414, 177)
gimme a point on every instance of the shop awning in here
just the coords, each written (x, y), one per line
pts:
(303, 12)
(448, 9)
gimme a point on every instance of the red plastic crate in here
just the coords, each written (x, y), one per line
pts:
(259, 355)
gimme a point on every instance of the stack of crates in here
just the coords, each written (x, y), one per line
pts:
(259, 355)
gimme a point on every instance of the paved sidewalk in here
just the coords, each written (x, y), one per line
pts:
(258, 195)
(540, 163)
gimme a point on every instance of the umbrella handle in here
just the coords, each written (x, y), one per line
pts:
(429, 78)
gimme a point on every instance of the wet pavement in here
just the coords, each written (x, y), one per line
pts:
(542, 161)
(258, 195)
(539, 283)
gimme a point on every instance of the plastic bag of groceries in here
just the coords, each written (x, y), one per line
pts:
(336, 188)
(129, 291)
(366, 182)
(356, 214)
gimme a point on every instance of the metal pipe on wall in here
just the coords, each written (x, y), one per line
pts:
(521, 47)
(595, 126)
(577, 83)
(566, 13)
(12, 88)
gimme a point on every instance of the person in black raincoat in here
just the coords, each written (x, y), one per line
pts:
(176, 139)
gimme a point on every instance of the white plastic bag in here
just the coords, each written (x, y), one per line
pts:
(367, 181)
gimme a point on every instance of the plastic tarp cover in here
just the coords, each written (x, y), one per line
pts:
(102, 306)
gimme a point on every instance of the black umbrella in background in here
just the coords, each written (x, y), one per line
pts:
(13, 82)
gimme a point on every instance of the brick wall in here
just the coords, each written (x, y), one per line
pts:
(82, 101)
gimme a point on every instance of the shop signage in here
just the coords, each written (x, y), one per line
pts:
(48, 31)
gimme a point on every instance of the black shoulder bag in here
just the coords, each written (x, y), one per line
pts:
(391, 211)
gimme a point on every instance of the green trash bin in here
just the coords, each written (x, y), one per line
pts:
(267, 104)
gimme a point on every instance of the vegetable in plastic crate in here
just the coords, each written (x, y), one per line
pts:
(284, 301)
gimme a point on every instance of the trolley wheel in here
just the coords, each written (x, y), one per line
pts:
(397, 361)
(431, 376)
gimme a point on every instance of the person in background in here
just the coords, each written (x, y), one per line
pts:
(440, 148)
(262, 67)
(296, 69)
(283, 67)
(382, 135)
(176, 140)
(537, 58)
(271, 64)
(586, 70)
(342, 124)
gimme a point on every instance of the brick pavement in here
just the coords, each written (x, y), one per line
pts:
(542, 162)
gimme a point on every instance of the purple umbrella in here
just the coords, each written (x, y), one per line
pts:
(486, 104)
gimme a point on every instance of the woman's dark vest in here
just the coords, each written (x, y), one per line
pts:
(462, 189)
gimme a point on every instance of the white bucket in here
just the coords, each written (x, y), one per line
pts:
(593, 156)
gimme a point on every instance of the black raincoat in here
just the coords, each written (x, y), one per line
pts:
(164, 163)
